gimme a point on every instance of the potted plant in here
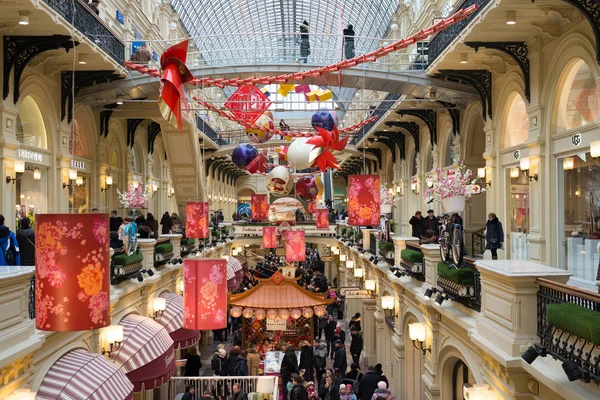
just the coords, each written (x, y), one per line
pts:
(387, 201)
(453, 188)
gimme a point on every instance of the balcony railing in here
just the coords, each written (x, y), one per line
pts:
(478, 243)
(381, 109)
(86, 22)
(415, 270)
(467, 294)
(222, 387)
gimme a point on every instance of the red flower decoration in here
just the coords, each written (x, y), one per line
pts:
(329, 141)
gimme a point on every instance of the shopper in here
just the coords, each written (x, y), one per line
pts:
(232, 361)
(354, 375)
(153, 225)
(192, 363)
(9, 247)
(322, 321)
(329, 332)
(253, 361)
(382, 392)
(241, 369)
(349, 42)
(340, 364)
(307, 361)
(339, 333)
(379, 371)
(430, 237)
(356, 345)
(142, 55)
(355, 322)
(238, 393)
(94, 6)
(320, 355)
(298, 391)
(494, 235)
(189, 393)
(416, 222)
(304, 42)
(329, 389)
(166, 223)
(368, 384)
(431, 222)
(289, 366)
(219, 363)
(26, 240)
(115, 221)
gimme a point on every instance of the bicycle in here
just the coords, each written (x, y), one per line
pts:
(451, 240)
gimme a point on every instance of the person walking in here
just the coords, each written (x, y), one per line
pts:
(307, 361)
(368, 384)
(355, 322)
(26, 240)
(289, 366)
(166, 223)
(340, 364)
(356, 345)
(494, 235)
(219, 363)
(241, 368)
(253, 361)
(193, 363)
(329, 332)
(304, 42)
(153, 225)
(379, 371)
(298, 392)
(320, 355)
(349, 42)
(382, 392)
(9, 247)
(416, 222)
(232, 361)
(115, 221)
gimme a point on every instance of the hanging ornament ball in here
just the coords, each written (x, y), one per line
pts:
(272, 315)
(268, 114)
(278, 180)
(243, 154)
(284, 314)
(296, 313)
(307, 312)
(258, 136)
(325, 119)
(235, 311)
(302, 155)
(306, 188)
(284, 210)
(260, 314)
(320, 186)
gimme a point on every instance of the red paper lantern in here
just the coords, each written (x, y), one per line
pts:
(205, 294)
(269, 237)
(363, 200)
(196, 220)
(323, 218)
(260, 207)
(72, 275)
(295, 246)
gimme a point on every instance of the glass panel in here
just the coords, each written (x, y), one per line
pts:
(78, 142)
(450, 151)
(519, 202)
(516, 122)
(578, 102)
(31, 129)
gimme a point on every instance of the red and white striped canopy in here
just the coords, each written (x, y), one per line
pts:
(172, 320)
(80, 374)
(146, 354)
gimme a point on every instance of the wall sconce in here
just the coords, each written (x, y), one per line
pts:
(482, 176)
(414, 187)
(114, 337)
(417, 332)
(37, 174)
(159, 305)
(170, 192)
(181, 286)
(335, 251)
(234, 252)
(400, 191)
(342, 258)
(359, 274)
(135, 184)
(22, 394)
(108, 181)
(79, 181)
(478, 391)
(388, 304)
(525, 165)
(72, 179)
(370, 286)
(19, 169)
(350, 264)
(595, 151)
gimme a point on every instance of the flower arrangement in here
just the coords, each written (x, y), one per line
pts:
(454, 183)
(134, 198)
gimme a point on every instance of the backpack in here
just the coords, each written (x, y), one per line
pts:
(9, 257)
(321, 356)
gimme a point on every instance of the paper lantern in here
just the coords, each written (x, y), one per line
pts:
(248, 312)
(295, 247)
(260, 207)
(196, 220)
(323, 218)
(205, 294)
(320, 311)
(307, 312)
(302, 155)
(269, 237)
(284, 210)
(272, 315)
(235, 311)
(306, 188)
(279, 180)
(296, 313)
(325, 119)
(363, 200)
(260, 314)
(72, 272)
(257, 135)
(284, 314)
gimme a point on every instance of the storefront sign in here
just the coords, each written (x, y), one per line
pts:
(517, 154)
(309, 230)
(357, 294)
(344, 290)
(76, 164)
(576, 139)
(29, 155)
(327, 258)
(276, 325)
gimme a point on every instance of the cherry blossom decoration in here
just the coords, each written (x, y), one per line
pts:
(72, 280)
(204, 294)
(259, 207)
(363, 200)
(269, 237)
(329, 141)
(134, 198)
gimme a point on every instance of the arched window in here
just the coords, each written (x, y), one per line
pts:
(516, 121)
(450, 151)
(460, 376)
(31, 129)
(79, 144)
(578, 101)
(138, 160)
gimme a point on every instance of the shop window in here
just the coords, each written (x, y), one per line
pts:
(31, 130)
(516, 123)
(579, 215)
(450, 151)
(518, 211)
(578, 102)
(78, 143)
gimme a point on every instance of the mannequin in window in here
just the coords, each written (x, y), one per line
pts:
(18, 216)
(31, 216)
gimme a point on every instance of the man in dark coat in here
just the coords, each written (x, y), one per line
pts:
(340, 364)
(431, 222)
(329, 333)
(233, 359)
(238, 393)
(356, 345)
(417, 225)
(115, 221)
(307, 361)
(368, 384)
(289, 366)
(26, 240)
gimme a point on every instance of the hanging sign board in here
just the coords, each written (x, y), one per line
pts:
(357, 294)
(276, 325)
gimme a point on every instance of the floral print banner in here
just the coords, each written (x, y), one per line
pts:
(363, 200)
(323, 218)
(295, 246)
(72, 275)
(269, 237)
(196, 220)
(312, 207)
(260, 207)
(205, 294)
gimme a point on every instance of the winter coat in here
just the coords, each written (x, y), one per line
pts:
(115, 223)
(166, 223)
(241, 395)
(241, 369)
(333, 393)
(384, 393)
(26, 240)
(329, 330)
(320, 354)
(322, 320)
(494, 235)
(289, 363)
(368, 385)
(299, 392)
(219, 365)
(192, 365)
(307, 362)
(8, 241)
(232, 361)
(355, 324)
(356, 345)
(253, 361)
(340, 335)
(430, 223)
(339, 359)
(417, 226)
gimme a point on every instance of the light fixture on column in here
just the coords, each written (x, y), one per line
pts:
(595, 151)
(37, 174)
(79, 181)
(524, 165)
(114, 337)
(359, 274)
(511, 17)
(170, 192)
(135, 184)
(159, 305)
(417, 331)
(342, 258)
(388, 304)
(482, 176)
(72, 179)
(154, 188)
(108, 181)
(514, 173)
(181, 286)
(532, 353)
(350, 264)
(19, 169)
(82, 59)
(464, 58)
(414, 187)
(370, 286)
(429, 292)
(119, 101)
(23, 18)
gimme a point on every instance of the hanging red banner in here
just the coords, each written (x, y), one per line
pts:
(312, 207)
(323, 218)
(363, 200)
(248, 103)
(270, 237)
(204, 294)
(295, 246)
(196, 220)
(259, 207)
(72, 274)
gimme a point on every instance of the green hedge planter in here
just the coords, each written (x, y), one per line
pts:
(412, 256)
(358, 236)
(187, 242)
(163, 248)
(462, 276)
(123, 259)
(577, 320)
(386, 246)
(215, 233)
(343, 231)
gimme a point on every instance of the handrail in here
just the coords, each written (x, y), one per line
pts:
(481, 238)
(570, 290)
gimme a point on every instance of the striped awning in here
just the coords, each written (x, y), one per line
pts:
(146, 354)
(80, 374)
(172, 320)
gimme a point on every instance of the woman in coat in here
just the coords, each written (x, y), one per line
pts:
(192, 363)
(307, 361)
(153, 225)
(304, 42)
(298, 392)
(26, 240)
(494, 235)
(253, 361)
(166, 223)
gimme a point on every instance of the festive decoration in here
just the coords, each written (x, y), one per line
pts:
(279, 181)
(320, 186)
(284, 314)
(72, 274)
(328, 141)
(323, 218)
(455, 182)
(243, 154)
(260, 207)
(295, 313)
(285, 88)
(301, 154)
(261, 135)
(312, 207)
(134, 198)
(196, 220)
(248, 103)
(306, 188)
(307, 312)
(269, 237)
(295, 247)
(387, 200)
(205, 294)
(325, 119)
(260, 314)
(259, 164)
(248, 313)
(235, 311)
(284, 210)
(282, 152)
(272, 315)
(363, 200)
(320, 311)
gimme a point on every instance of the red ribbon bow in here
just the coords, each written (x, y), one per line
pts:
(175, 74)
(329, 141)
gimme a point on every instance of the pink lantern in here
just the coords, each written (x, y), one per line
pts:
(363, 200)
(196, 220)
(269, 237)
(205, 294)
(259, 207)
(295, 246)
(323, 218)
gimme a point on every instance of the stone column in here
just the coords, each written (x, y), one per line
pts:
(146, 247)
(400, 244)
(367, 238)
(369, 328)
(175, 239)
(431, 259)
(379, 335)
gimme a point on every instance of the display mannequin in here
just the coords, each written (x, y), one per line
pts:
(31, 215)
(18, 216)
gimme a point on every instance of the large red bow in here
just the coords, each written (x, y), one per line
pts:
(175, 75)
(329, 141)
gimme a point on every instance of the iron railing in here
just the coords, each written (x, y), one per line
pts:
(564, 345)
(221, 387)
(381, 109)
(85, 21)
(478, 243)
(31, 295)
(372, 244)
(209, 132)
(468, 296)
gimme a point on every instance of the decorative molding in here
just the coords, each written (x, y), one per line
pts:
(132, 125)
(378, 155)
(153, 131)
(480, 80)
(428, 116)
(82, 79)
(411, 127)
(454, 115)
(387, 142)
